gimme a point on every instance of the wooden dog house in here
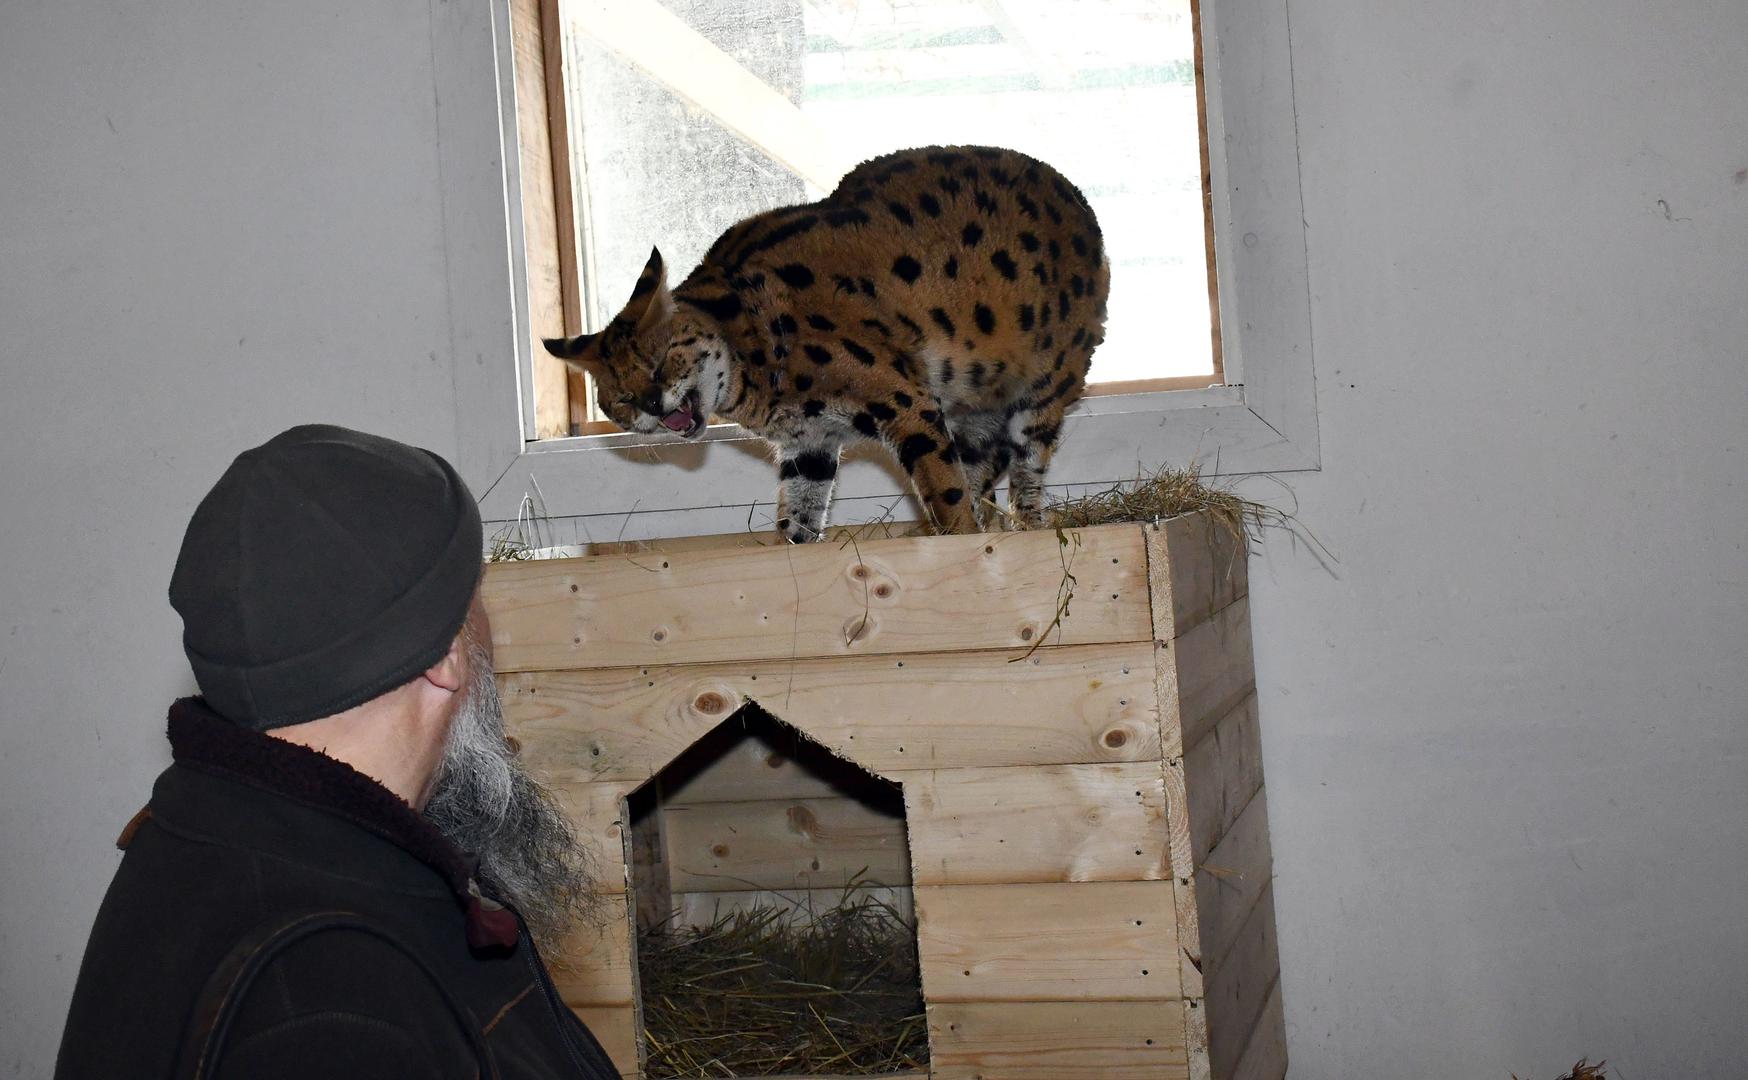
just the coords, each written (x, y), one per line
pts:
(1071, 719)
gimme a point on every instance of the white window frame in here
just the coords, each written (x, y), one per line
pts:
(621, 486)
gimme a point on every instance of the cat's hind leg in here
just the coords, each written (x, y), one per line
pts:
(1031, 439)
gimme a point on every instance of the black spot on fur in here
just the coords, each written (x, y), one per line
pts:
(1078, 243)
(881, 411)
(971, 455)
(951, 267)
(1028, 316)
(977, 373)
(721, 308)
(931, 205)
(1052, 213)
(1027, 206)
(818, 354)
(842, 284)
(1004, 263)
(1062, 303)
(865, 424)
(820, 322)
(794, 275)
(1029, 241)
(972, 233)
(804, 383)
(816, 465)
(913, 448)
(946, 371)
(812, 407)
(901, 212)
(1040, 273)
(867, 286)
(1077, 285)
(986, 202)
(942, 320)
(911, 324)
(851, 215)
(855, 349)
(1002, 177)
(878, 327)
(953, 496)
(787, 469)
(984, 317)
(907, 269)
(784, 324)
(948, 184)
(756, 357)
(1079, 336)
(901, 399)
(780, 235)
(988, 153)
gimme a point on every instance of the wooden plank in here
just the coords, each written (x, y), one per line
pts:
(1084, 941)
(1222, 772)
(596, 812)
(1265, 1055)
(1050, 823)
(1230, 881)
(784, 844)
(1206, 565)
(671, 52)
(1064, 705)
(1214, 669)
(1056, 1040)
(592, 966)
(542, 240)
(773, 764)
(1239, 986)
(927, 594)
(615, 1028)
(704, 908)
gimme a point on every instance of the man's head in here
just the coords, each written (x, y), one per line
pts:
(328, 586)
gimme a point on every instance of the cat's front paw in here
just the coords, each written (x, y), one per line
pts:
(797, 532)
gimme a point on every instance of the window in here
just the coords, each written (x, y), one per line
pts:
(667, 121)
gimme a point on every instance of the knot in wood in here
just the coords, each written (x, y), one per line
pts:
(710, 702)
(1116, 737)
(803, 822)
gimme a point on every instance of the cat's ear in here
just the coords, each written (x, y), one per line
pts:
(571, 348)
(650, 303)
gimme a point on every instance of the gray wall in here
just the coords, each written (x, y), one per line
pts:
(1506, 745)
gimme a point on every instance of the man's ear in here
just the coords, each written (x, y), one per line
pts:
(450, 673)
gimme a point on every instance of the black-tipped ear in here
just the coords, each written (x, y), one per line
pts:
(650, 301)
(568, 348)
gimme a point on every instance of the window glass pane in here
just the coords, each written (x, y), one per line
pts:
(1102, 89)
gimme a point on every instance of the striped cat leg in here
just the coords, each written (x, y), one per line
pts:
(805, 475)
(1032, 437)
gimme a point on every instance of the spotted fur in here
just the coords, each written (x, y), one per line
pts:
(944, 302)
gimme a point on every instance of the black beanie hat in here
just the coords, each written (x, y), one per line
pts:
(326, 567)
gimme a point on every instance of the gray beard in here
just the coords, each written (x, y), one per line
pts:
(488, 805)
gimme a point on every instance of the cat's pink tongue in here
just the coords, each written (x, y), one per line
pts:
(678, 420)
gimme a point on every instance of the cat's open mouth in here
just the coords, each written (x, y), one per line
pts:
(685, 421)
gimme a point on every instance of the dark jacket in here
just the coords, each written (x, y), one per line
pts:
(245, 831)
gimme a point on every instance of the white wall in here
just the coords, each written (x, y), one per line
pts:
(1506, 747)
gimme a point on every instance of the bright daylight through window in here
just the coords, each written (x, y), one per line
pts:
(686, 115)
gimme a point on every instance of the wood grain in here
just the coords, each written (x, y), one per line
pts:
(784, 844)
(1085, 941)
(1239, 987)
(927, 594)
(1050, 823)
(1222, 772)
(1059, 706)
(1231, 879)
(542, 241)
(1198, 566)
(615, 1028)
(1265, 1055)
(592, 965)
(1056, 1040)
(1213, 669)
(596, 813)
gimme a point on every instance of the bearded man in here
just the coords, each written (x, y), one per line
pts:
(344, 871)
